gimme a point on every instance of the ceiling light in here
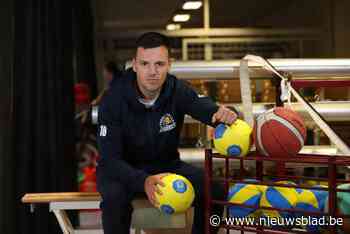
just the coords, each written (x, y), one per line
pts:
(171, 27)
(181, 18)
(192, 5)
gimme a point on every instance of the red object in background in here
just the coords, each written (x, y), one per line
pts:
(89, 182)
(81, 93)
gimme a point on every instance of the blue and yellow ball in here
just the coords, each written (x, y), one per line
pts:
(311, 200)
(247, 194)
(177, 194)
(278, 197)
(234, 140)
(316, 183)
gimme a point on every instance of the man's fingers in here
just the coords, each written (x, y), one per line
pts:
(164, 174)
(229, 117)
(232, 119)
(224, 115)
(221, 113)
(154, 188)
(152, 197)
(158, 190)
(159, 179)
(213, 119)
(153, 200)
(217, 116)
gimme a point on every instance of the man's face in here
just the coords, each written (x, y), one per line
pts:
(151, 66)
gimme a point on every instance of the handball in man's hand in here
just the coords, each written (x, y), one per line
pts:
(177, 194)
(234, 140)
(224, 115)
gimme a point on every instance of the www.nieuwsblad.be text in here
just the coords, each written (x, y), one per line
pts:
(216, 221)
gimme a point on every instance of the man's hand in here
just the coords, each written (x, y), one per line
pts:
(224, 115)
(151, 187)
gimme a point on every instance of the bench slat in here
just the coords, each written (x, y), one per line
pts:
(145, 215)
(64, 196)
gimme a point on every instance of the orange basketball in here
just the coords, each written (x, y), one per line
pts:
(279, 132)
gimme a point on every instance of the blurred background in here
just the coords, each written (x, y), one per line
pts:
(51, 68)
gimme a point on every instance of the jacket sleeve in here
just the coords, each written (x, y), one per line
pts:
(199, 107)
(110, 143)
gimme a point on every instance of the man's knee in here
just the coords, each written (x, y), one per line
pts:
(115, 196)
(198, 182)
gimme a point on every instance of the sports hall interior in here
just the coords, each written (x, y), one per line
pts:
(53, 51)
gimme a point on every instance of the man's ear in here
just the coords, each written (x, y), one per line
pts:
(134, 64)
(169, 62)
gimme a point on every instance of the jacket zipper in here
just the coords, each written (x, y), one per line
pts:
(150, 132)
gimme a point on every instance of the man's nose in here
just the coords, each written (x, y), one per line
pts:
(153, 69)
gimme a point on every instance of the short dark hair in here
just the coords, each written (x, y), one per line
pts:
(152, 40)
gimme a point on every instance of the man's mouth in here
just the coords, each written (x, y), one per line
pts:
(153, 80)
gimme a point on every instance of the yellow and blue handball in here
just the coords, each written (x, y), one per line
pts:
(246, 194)
(311, 200)
(279, 197)
(234, 140)
(177, 194)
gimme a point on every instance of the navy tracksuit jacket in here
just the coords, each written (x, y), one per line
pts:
(135, 142)
(133, 139)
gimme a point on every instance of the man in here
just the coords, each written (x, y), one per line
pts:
(140, 123)
(110, 73)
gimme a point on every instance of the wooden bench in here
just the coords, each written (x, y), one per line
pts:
(144, 216)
